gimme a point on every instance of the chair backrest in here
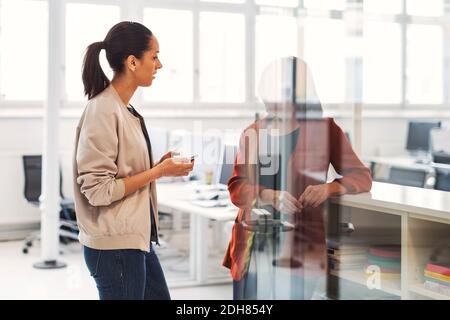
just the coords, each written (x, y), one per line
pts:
(408, 177)
(442, 179)
(32, 165)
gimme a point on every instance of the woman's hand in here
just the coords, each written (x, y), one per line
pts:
(175, 167)
(283, 201)
(167, 155)
(314, 196)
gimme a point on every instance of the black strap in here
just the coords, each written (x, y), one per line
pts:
(144, 131)
(154, 231)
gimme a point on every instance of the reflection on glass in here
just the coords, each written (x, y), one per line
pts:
(25, 79)
(173, 28)
(222, 48)
(276, 36)
(424, 8)
(278, 248)
(382, 63)
(383, 6)
(225, 1)
(278, 3)
(85, 24)
(424, 64)
(324, 50)
(325, 4)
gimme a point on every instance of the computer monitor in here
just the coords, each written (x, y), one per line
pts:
(419, 136)
(226, 165)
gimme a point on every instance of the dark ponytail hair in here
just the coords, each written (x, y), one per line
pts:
(124, 39)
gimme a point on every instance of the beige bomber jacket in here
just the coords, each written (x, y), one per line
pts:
(110, 146)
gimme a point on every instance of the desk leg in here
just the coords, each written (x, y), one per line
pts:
(178, 222)
(201, 248)
(193, 253)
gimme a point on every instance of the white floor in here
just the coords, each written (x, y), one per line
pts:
(19, 280)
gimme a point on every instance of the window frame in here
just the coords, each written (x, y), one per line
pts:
(134, 11)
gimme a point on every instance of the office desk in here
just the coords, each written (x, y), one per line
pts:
(175, 198)
(401, 161)
(420, 218)
(408, 171)
(406, 162)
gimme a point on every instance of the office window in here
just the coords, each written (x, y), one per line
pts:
(383, 6)
(85, 24)
(324, 51)
(24, 52)
(325, 4)
(276, 37)
(222, 53)
(278, 3)
(174, 30)
(424, 64)
(382, 63)
(425, 8)
(224, 1)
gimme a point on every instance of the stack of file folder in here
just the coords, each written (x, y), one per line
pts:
(437, 277)
(387, 258)
(346, 256)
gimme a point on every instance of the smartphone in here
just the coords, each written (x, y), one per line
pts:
(193, 157)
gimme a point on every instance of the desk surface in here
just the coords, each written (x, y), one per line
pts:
(427, 202)
(383, 196)
(400, 161)
(177, 196)
(408, 162)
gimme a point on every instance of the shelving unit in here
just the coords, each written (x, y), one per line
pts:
(420, 290)
(390, 286)
(417, 219)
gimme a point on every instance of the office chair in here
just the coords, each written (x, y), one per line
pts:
(407, 177)
(442, 179)
(413, 176)
(32, 190)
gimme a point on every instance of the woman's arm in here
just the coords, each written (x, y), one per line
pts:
(242, 192)
(134, 183)
(97, 151)
(356, 177)
(315, 195)
(241, 187)
(168, 167)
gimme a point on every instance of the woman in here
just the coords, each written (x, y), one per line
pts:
(114, 172)
(282, 167)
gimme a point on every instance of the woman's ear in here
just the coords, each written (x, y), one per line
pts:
(131, 63)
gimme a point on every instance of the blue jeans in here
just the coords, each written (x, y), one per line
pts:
(245, 289)
(127, 274)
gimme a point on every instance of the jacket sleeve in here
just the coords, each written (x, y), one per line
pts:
(241, 186)
(96, 157)
(356, 177)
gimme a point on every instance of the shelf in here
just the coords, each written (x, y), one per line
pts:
(421, 290)
(391, 286)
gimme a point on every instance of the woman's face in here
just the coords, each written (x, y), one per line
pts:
(148, 65)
